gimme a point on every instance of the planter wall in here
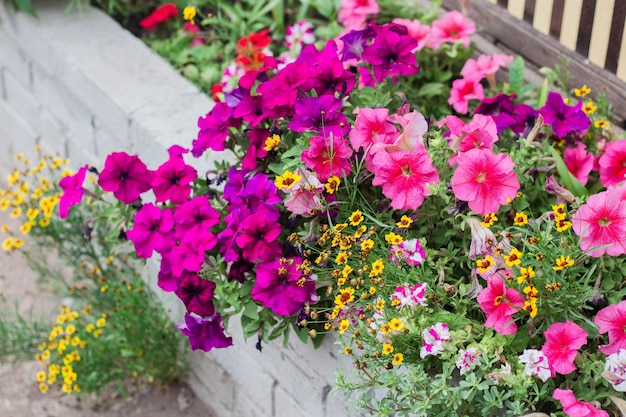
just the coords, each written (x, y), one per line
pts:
(82, 86)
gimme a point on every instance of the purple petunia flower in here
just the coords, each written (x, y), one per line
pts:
(197, 294)
(205, 333)
(188, 253)
(355, 41)
(214, 129)
(320, 114)
(257, 238)
(125, 176)
(563, 118)
(172, 180)
(391, 53)
(195, 216)
(255, 149)
(328, 75)
(72, 191)
(506, 113)
(153, 230)
(281, 286)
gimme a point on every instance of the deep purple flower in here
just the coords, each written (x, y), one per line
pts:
(172, 180)
(205, 333)
(153, 230)
(234, 186)
(563, 118)
(257, 238)
(261, 194)
(239, 269)
(250, 109)
(197, 294)
(391, 53)
(214, 129)
(125, 176)
(328, 75)
(320, 114)
(226, 243)
(72, 191)
(195, 217)
(281, 286)
(355, 41)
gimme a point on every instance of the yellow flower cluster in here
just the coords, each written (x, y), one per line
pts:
(560, 218)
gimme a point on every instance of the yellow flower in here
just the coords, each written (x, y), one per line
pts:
(13, 178)
(356, 218)
(31, 213)
(4, 228)
(380, 304)
(405, 222)
(562, 224)
(287, 180)
(398, 358)
(43, 388)
(90, 328)
(25, 228)
(271, 143)
(367, 245)
(41, 376)
(345, 296)
(372, 291)
(332, 184)
(562, 263)
(8, 243)
(346, 271)
(527, 275)
(45, 222)
(395, 324)
(67, 388)
(342, 258)
(15, 213)
(531, 292)
(189, 13)
(514, 258)
(559, 211)
(70, 330)
(520, 219)
(378, 267)
(489, 219)
(589, 107)
(343, 326)
(582, 91)
(531, 307)
(4, 204)
(387, 349)
(601, 124)
(18, 243)
(485, 264)
(347, 350)
(101, 322)
(362, 229)
(393, 238)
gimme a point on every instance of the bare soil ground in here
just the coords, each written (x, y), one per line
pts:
(19, 393)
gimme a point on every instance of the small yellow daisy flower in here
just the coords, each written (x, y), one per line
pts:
(485, 264)
(343, 326)
(398, 358)
(387, 349)
(342, 258)
(378, 267)
(189, 13)
(332, 184)
(41, 376)
(271, 143)
(589, 107)
(562, 263)
(405, 222)
(489, 219)
(367, 245)
(513, 258)
(520, 219)
(287, 180)
(395, 324)
(562, 225)
(527, 274)
(582, 91)
(601, 124)
(531, 307)
(393, 238)
(356, 218)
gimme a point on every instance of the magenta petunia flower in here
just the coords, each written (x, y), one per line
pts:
(167, 281)
(612, 319)
(485, 180)
(72, 191)
(450, 28)
(579, 162)
(213, 129)
(320, 114)
(257, 239)
(372, 126)
(563, 118)
(205, 333)
(561, 347)
(197, 294)
(613, 163)
(463, 90)
(172, 180)
(153, 230)
(404, 176)
(188, 254)
(574, 407)
(125, 176)
(602, 221)
(281, 286)
(195, 217)
(328, 157)
(410, 295)
(391, 53)
(499, 304)
(328, 75)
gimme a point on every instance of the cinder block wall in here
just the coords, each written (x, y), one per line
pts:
(82, 86)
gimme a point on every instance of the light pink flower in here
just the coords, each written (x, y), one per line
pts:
(371, 126)
(467, 359)
(433, 339)
(499, 304)
(602, 221)
(480, 133)
(477, 69)
(612, 319)
(562, 343)
(417, 30)
(485, 180)
(306, 195)
(463, 90)
(452, 27)
(575, 408)
(579, 162)
(535, 363)
(404, 176)
(613, 163)
(353, 13)
(414, 127)
(409, 250)
(409, 295)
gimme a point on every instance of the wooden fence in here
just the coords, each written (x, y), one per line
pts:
(588, 33)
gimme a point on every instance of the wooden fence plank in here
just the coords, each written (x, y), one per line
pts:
(571, 20)
(543, 16)
(585, 26)
(601, 31)
(621, 64)
(557, 18)
(516, 8)
(542, 50)
(615, 37)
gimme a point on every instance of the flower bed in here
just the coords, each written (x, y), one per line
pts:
(455, 233)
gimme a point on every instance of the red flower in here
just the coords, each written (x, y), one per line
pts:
(250, 49)
(159, 15)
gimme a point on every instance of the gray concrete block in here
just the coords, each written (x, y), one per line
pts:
(286, 406)
(16, 130)
(20, 98)
(212, 384)
(14, 60)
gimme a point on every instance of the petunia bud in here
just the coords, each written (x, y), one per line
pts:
(552, 187)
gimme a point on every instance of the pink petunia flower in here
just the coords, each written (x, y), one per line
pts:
(613, 163)
(484, 65)
(328, 156)
(153, 230)
(126, 176)
(433, 339)
(172, 180)
(463, 90)
(561, 347)
(499, 304)
(404, 176)
(371, 126)
(72, 191)
(409, 295)
(409, 250)
(417, 30)
(452, 27)
(306, 195)
(602, 221)
(612, 319)
(353, 13)
(579, 162)
(480, 133)
(414, 127)
(258, 238)
(485, 180)
(467, 359)
(574, 407)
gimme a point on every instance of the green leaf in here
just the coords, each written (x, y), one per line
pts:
(516, 74)
(569, 181)
(430, 90)
(250, 310)
(25, 6)
(542, 95)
